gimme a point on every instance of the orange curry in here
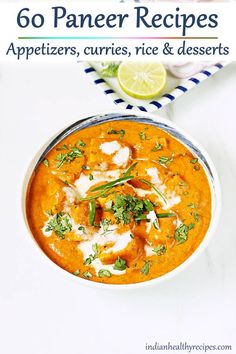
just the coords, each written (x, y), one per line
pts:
(121, 202)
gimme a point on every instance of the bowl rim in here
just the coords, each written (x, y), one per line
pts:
(156, 118)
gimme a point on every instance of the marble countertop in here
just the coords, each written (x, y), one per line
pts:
(43, 312)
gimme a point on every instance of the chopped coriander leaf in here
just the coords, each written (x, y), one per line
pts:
(74, 153)
(104, 273)
(61, 158)
(196, 217)
(90, 177)
(87, 274)
(105, 224)
(85, 168)
(193, 161)
(66, 182)
(89, 260)
(96, 249)
(49, 212)
(77, 272)
(126, 206)
(132, 236)
(110, 69)
(63, 147)
(191, 205)
(120, 264)
(46, 162)
(143, 135)
(181, 233)
(68, 157)
(165, 160)
(92, 257)
(82, 228)
(81, 143)
(186, 193)
(92, 212)
(157, 147)
(146, 267)
(159, 250)
(120, 132)
(191, 226)
(60, 224)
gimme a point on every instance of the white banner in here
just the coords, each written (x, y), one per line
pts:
(76, 31)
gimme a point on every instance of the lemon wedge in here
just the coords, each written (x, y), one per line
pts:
(142, 79)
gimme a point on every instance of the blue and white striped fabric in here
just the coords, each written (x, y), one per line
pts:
(153, 105)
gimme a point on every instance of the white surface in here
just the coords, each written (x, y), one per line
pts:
(43, 312)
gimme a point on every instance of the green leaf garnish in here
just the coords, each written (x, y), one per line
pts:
(120, 132)
(110, 69)
(103, 193)
(149, 207)
(69, 156)
(196, 217)
(193, 161)
(82, 228)
(165, 160)
(92, 212)
(114, 183)
(87, 274)
(165, 215)
(191, 226)
(191, 205)
(130, 169)
(120, 264)
(60, 224)
(77, 272)
(126, 206)
(148, 204)
(154, 188)
(181, 233)
(104, 273)
(160, 250)
(146, 267)
(85, 168)
(90, 177)
(63, 147)
(96, 249)
(157, 147)
(46, 162)
(105, 224)
(140, 217)
(156, 224)
(81, 143)
(92, 257)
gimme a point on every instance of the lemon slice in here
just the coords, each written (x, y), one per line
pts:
(142, 79)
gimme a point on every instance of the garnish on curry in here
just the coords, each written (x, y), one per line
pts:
(121, 202)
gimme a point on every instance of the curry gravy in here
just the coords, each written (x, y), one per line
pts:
(121, 202)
